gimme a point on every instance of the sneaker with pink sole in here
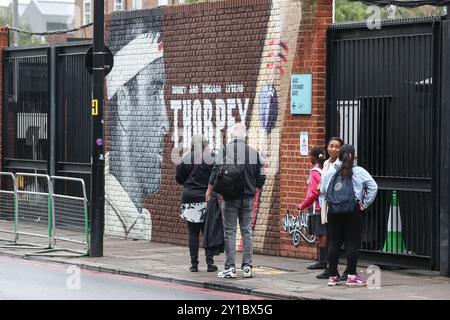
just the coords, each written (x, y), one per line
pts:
(332, 281)
(356, 280)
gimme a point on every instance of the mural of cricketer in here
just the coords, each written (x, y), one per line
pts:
(137, 124)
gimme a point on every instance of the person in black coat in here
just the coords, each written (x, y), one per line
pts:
(193, 173)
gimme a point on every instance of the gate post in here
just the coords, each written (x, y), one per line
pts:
(98, 161)
(53, 80)
(444, 205)
(4, 42)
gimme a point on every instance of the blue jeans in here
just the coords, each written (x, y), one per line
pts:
(231, 211)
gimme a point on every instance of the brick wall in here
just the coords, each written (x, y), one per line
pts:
(200, 68)
(310, 58)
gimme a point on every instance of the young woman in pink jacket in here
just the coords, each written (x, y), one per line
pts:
(313, 204)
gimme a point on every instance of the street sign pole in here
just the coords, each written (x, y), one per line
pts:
(97, 139)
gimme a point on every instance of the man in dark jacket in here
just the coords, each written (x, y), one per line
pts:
(248, 159)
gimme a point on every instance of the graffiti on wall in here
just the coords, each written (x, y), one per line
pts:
(297, 227)
(138, 123)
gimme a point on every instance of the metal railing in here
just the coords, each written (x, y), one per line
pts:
(70, 216)
(35, 217)
(34, 211)
(8, 207)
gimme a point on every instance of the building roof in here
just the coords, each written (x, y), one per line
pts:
(55, 8)
(21, 8)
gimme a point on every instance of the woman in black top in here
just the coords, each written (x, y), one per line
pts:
(193, 173)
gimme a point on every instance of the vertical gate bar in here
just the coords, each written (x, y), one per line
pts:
(411, 197)
(371, 96)
(423, 121)
(422, 89)
(380, 99)
(395, 105)
(372, 105)
(415, 112)
(410, 108)
(346, 67)
(365, 100)
(16, 210)
(352, 94)
(339, 99)
(438, 46)
(339, 90)
(74, 66)
(431, 106)
(355, 103)
(347, 70)
(51, 136)
(376, 98)
(426, 102)
(401, 103)
(5, 121)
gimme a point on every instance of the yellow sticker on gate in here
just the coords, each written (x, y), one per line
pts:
(95, 107)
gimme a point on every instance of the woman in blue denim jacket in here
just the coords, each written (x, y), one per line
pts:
(345, 227)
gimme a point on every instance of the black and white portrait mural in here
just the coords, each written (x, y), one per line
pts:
(137, 122)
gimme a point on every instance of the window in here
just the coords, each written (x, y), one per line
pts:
(163, 2)
(137, 4)
(118, 5)
(87, 11)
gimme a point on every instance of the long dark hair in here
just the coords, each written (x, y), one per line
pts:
(347, 156)
(319, 154)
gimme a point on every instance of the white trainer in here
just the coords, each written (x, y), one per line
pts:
(248, 273)
(227, 273)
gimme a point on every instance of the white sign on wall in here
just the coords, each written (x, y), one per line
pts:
(303, 143)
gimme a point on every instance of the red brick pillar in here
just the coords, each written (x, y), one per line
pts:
(310, 58)
(4, 43)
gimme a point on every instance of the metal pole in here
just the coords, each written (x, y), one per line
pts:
(15, 22)
(97, 156)
(52, 116)
(443, 241)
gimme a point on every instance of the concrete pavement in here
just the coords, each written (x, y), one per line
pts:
(274, 277)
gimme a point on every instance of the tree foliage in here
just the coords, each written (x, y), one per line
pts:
(346, 11)
(24, 39)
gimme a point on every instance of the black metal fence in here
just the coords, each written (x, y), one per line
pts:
(46, 115)
(381, 98)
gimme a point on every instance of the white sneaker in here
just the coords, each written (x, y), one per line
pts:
(227, 273)
(248, 273)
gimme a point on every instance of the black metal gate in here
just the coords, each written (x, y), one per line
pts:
(46, 114)
(381, 97)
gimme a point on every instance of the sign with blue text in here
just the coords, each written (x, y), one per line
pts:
(301, 92)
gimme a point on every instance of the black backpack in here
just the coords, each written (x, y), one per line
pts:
(230, 180)
(340, 195)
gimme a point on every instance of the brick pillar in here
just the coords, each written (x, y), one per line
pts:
(4, 43)
(310, 58)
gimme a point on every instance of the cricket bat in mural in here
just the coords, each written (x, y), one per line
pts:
(256, 202)
(271, 99)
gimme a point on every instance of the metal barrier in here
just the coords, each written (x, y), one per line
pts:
(70, 216)
(34, 209)
(8, 207)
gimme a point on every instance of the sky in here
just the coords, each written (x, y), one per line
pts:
(5, 3)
